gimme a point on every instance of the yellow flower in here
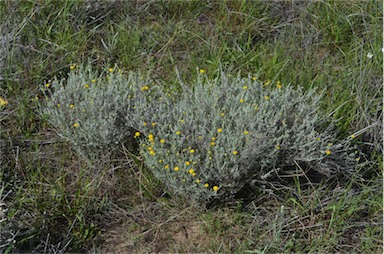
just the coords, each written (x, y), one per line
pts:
(178, 132)
(266, 97)
(215, 188)
(241, 100)
(222, 114)
(182, 121)
(110, 69)
(162, 141)
(71, 106)
(353, 136)
(166, 166)
(267, 83)
(187, 163)
(245, 87)
(93, 80)
(3, 102)
(137, 134)
(256, 108)
(318, 139)
(219, 130)
(145, 123)
(154, 124)
(176, 168)
(202, 71)
(47, 85)
(279, 85)
(212, 143)
(206, 185)
(144, 88)
(191, 171)
(86, 86)
(328, 152)
(200, 137)
(246, 132)
(72, 67)
(58, 105)
(277, 147)
(152, 153)
(150, 137)
(235, 152)
(213, 138)
(254, 78)
(198, 181)
(160, 161)
(76, 125)
(192, 151)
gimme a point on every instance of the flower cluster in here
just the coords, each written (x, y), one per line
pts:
(3, 102)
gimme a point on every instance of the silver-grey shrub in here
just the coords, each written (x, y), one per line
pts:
(213, 141)
(236, 134)
(89, 109)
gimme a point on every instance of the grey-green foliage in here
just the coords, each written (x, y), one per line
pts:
(213, 140)
(96, 103)
(266, 133)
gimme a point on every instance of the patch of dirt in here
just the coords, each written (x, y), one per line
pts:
(156, 228)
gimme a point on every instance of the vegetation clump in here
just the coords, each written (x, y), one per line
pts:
(211, 141)
(87, 109)
(223, 137)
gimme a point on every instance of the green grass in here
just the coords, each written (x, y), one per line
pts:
(54, 201)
